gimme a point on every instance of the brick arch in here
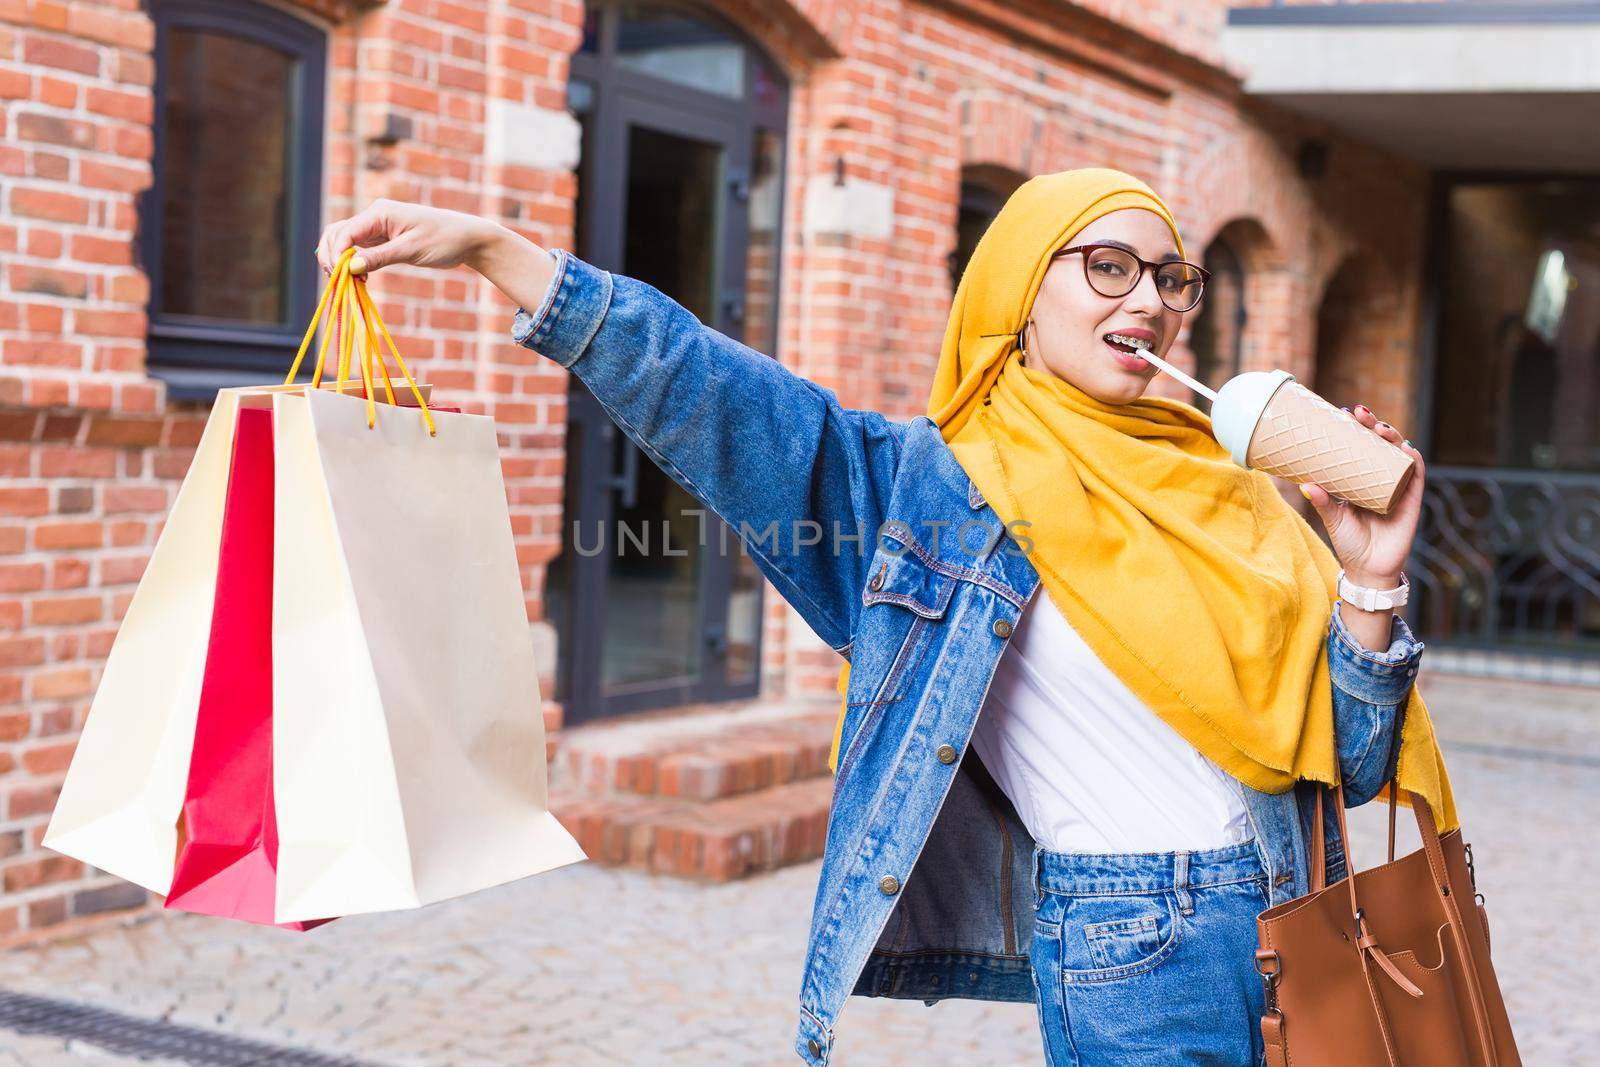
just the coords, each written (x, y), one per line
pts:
(999, 136)
(1249, 280)
(1221, 187)
(333, 11)
(795, 36)
(1250, 240)
(1362, 347)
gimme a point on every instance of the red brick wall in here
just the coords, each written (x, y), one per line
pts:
(82, 441)
(886, 93)
(90, 450)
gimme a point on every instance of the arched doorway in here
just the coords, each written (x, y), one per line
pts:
(1217, 335)
(1363, 341)
(680, 185)
(984, 190)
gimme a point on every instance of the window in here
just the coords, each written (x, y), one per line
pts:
(227, 227)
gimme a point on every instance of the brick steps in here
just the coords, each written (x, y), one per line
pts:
(715, 841)
(709, 794)
(699, 757)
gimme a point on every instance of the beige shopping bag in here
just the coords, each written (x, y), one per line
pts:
(408, 747)
(408, 743)
(119, 805)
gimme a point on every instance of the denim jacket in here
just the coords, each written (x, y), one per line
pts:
(874, 533)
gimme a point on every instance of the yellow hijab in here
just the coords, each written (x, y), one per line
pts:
(1189, 576)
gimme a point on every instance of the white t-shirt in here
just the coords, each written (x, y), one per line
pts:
(1088, 765)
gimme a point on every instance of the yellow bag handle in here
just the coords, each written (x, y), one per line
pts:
(344, 301)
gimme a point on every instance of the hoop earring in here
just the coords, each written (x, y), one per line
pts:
(1022, 340)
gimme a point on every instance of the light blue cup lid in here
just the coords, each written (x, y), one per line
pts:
(1238, 408)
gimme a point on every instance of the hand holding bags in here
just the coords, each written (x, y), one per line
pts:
(1390, 968)
(407, 748)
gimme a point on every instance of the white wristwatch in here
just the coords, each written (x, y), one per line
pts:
(1368, 599)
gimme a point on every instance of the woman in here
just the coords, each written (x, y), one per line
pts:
(1150, 632)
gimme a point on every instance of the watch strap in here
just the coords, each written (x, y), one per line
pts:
(1369, 599)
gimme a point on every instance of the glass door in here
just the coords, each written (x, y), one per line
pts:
(1507, 556)
(656, 600)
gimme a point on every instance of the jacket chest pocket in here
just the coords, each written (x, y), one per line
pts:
(905, 599)
(900, 584)
(902, 577)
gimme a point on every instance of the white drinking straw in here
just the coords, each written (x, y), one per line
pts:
(1178, 374)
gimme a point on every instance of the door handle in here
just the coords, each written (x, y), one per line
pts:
(717, 639)
(624, 482)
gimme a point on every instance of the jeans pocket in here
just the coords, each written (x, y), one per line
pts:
(1106, 938)
(1045, 957)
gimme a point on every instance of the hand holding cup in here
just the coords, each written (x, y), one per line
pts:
(1268, 421)
(1373, 547)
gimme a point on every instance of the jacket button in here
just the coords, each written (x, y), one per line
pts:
(946, 754)
(889, 885)
(812, 1046)
(1002, 628)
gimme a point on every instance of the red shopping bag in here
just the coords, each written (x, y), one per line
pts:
(227, 834)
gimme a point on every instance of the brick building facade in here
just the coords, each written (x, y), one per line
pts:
(897, 117)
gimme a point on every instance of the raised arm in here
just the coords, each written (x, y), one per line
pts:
(803, 480)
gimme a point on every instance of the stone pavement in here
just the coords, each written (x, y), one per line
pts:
(588, 966)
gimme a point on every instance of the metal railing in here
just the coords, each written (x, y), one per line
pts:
(1509, 560)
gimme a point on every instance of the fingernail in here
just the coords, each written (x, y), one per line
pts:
(1407, 444)
(1363, 407)
(1385, 425)
(358, 265)
(1345, 410)
(1305, 492)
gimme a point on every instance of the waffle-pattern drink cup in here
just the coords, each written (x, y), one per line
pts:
(1270, 422)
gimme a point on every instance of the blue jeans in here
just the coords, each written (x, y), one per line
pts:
(1148, 959)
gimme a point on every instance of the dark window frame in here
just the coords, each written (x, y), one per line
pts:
(196, 358)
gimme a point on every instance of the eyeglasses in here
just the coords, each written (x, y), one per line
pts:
(1113, 271)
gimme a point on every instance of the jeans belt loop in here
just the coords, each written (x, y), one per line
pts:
(1180, 882)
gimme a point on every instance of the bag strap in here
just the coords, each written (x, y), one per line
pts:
(1368, 950)
(1319, 843)
(1367, 941)
(1319, 847)
(1394, 809)
(1458, 930)
(344, 302)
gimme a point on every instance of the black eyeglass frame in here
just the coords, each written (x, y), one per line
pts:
(1144, 265)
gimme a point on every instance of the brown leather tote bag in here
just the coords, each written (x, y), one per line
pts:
(1387, 968)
